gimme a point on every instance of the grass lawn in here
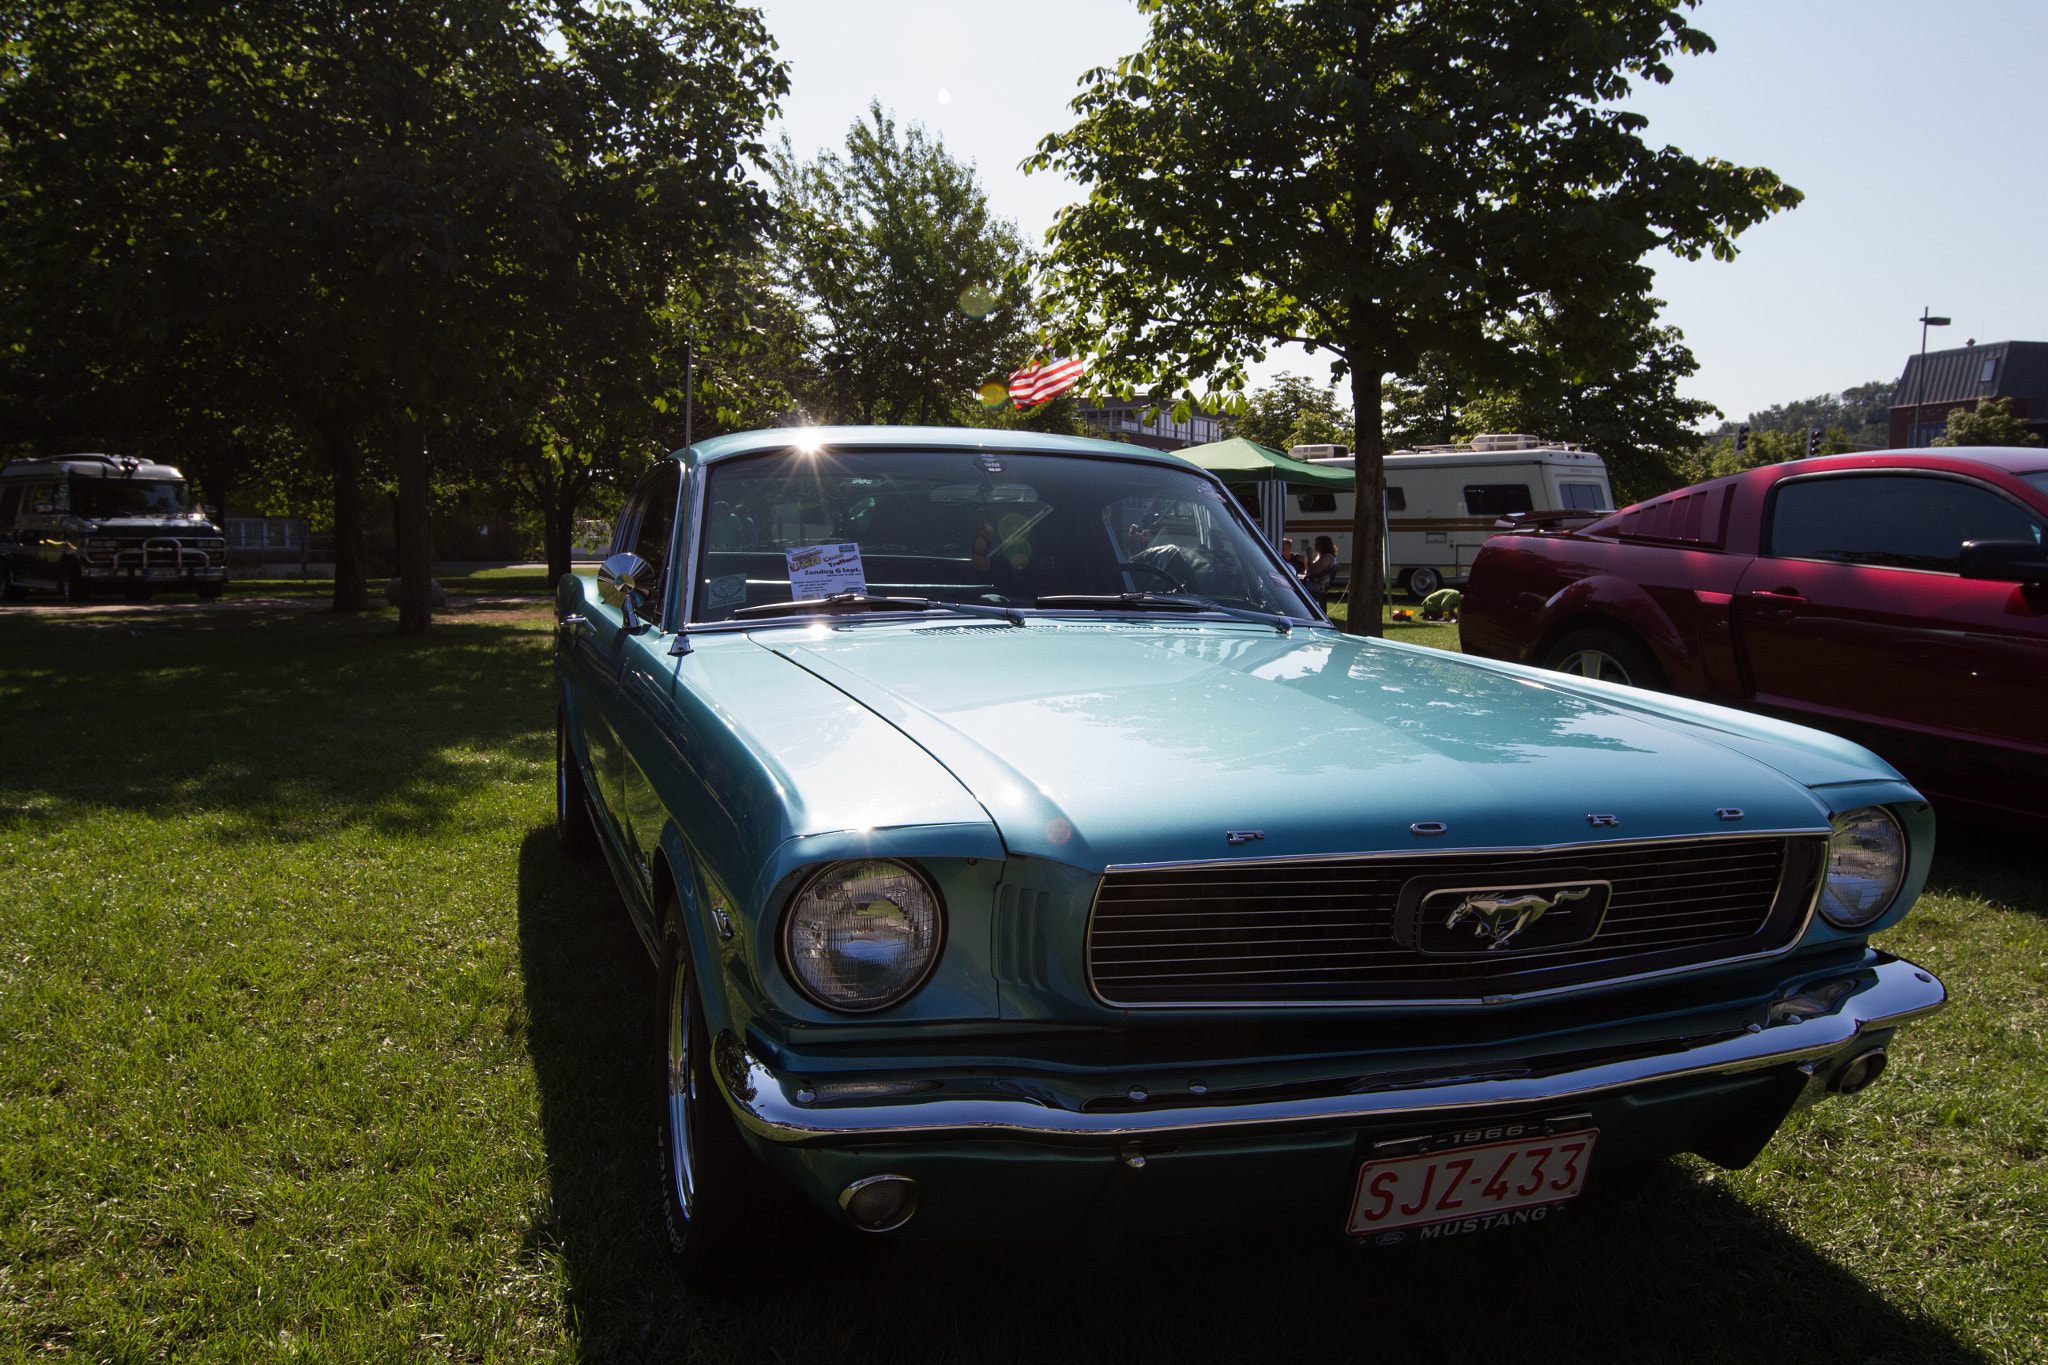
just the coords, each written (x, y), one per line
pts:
(313, 1047)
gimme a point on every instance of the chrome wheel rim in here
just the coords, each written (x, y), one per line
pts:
(1423, 582)
(681, 1145)
(1593, 663)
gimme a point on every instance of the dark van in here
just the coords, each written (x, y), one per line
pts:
(75, 523)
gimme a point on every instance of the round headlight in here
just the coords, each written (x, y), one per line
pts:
(1866, 862)
(862, 935)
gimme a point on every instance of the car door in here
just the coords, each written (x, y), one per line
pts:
(602, 646)
(644, 716)
(1855, 617)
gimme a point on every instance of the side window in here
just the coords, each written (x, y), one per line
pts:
(1892, 520)
(1316, 502)
(654, 502)
(1397, 501)
(10, 503)
(1582, 495)
(1497, 499)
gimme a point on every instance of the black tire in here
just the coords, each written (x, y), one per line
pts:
(1607, 654)
(71, 584)
(716, 1198)
(1420, 583)
(10, 591)
(573, 830)
(137, 592)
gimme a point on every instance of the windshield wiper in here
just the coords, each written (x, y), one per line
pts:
(857, 601)
(1183, 601)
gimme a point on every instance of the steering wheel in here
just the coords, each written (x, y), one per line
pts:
(1174, 584)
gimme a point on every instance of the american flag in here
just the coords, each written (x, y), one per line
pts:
(1041, 382)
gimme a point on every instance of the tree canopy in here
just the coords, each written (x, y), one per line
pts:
(1380, 179)
(915, 293)
(1990, 423)
(1292, 411)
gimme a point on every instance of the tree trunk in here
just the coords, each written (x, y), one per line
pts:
(558, 517)
(415, 546)
(1368, 443)
(351, 588)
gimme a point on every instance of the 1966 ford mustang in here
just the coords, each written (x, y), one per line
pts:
(1020, 845)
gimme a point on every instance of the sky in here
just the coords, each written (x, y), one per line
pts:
(1918, 131)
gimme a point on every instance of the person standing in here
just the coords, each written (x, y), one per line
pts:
(1321, 570)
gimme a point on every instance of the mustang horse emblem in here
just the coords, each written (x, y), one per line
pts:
(1505, 916)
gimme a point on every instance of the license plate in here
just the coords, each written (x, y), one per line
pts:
(163, 573)
(1477, 1183)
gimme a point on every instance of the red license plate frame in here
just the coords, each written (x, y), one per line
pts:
(1452, 1183)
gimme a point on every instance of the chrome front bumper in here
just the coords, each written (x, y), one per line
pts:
(1815, 1027)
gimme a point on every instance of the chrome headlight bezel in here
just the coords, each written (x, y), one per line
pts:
(795, 954)
(1854, 833)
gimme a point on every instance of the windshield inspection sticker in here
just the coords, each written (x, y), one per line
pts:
(821, 570)
(729, 590)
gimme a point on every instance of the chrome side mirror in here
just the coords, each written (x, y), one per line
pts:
(619, 584)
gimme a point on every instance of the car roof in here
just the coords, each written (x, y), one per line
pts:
(98, 466)
(2009, 459)
(930, 438)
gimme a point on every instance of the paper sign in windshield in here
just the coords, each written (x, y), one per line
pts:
(821, 570)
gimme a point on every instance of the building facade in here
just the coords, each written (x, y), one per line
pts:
(1959, 378)
(1125, 419)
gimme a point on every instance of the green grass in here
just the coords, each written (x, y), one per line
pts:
(313, 1047)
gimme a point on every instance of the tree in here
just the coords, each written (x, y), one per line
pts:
(1381, 179)
(916, 294)
(1293, 411)
(367, 212)
(1621, 400)
(1863, 412)
(1990, 423)
(1424, 408)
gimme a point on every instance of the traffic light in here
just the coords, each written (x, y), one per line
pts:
(1812, 442)
(1741, 437)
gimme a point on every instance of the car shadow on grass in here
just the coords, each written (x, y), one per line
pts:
(1657, 1263)
(286, 723)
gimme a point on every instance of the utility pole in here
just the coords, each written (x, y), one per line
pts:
(1920, 375)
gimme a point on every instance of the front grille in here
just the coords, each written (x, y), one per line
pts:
(1323, 931)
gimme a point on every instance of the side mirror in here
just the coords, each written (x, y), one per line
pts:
(2006, 561)
(619, 584)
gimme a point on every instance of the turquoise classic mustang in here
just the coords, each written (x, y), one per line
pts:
(1019, 845)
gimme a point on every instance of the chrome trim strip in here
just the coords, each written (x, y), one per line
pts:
(1599, 983)
(1894, 993)
(1379, 855)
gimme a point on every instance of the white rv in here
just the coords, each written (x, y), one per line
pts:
(1442, 501)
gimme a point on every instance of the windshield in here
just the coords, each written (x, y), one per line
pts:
(975, 528)
(2039, 478)
(106, 498)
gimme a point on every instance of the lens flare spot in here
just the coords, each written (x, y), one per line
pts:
(993, 394)
(978, 300)
(945, 95)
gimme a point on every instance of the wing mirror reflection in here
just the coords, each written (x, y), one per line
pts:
(2006, 561)
(620, 583)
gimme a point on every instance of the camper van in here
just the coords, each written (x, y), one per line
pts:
(1442, 501)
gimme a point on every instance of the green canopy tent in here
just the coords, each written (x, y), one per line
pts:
(1262, 478)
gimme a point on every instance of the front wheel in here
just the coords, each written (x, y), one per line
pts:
(1609, 655)
(712, 1188)
(10, 590)
(573, 830)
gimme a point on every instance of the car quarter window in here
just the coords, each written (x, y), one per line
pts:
(1900, 521)
(654, 504)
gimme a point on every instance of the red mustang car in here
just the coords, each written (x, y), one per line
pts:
(1899, 599)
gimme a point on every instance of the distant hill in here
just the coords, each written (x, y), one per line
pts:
(1863, 413)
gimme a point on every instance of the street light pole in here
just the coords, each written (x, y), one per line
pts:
(1920, 375)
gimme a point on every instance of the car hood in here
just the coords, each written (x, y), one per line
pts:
(1115, 743)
